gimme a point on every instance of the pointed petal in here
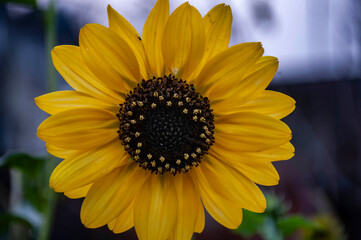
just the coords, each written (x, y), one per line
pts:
(55, 102)
(152, 37)
(220, 77)
(283, 152)
(127, 32)
(70, 64)
(250, 85)
(111, 195)
(189, 203)
(58, 152)
(109, 57)
(79, 128)
(183, 41)
(87, 167)
(78, 192)
(200, 221)
(263, 174)
(260, 172)
(155, 209)
(224, 211)
(270, 103)
(218, 24)
(259, 76)
(251, 131)
(124, 221)
(226, 182)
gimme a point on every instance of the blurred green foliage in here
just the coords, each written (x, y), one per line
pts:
(34, 180)
(26, 2)
(30, 166)
(7, 218)
(328, 229)
(276, 224)
(290, 224)
(32, 177)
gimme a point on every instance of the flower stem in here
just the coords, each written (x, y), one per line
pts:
(51, 197)
(50, 31)
(50, 38)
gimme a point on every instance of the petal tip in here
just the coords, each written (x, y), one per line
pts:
(110, 10)
(84, 218)
(293, 100)
(40, 131)
(53, 183)
(36, 101)
(55, 52)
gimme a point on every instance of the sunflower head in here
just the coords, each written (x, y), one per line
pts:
(160, 126)
(165, 125)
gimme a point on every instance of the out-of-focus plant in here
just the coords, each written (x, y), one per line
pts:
(25, 2)
(276, 223)
(29, 197)
(328, 229)
(31, 202)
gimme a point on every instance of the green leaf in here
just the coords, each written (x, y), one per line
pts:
(7, 218)
(291, 224)
(33, 193)
(276, 206)
(28, 165)
(35, 179)
(251, 224)
(273, 224)
(26, 2)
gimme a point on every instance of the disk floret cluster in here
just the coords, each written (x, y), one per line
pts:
(165, 125)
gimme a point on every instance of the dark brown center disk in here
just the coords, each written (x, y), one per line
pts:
(165, 125)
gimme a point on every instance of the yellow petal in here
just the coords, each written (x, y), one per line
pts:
(183, 41)
(152, 37)
(264, 174)
(58, 152)
(78, 192)
(260, 172)
(200, 221)
(155, 208)
(251, 131)
(218, 24)
(87, 167)
(111, 195)
(221, 179)
(270, 103)
(55, 102)
(224, 211)
(254, 82)
(79, 128)
(70, 64)
(221, 75)
(126, 31)
(259, 76)
(189, 202)
(283, 152)
(109, 57)
(124, 221)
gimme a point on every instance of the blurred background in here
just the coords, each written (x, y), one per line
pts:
(318, 44)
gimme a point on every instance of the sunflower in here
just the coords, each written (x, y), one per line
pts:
(161, 126)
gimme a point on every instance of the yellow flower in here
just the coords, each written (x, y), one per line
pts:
(161, 125)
